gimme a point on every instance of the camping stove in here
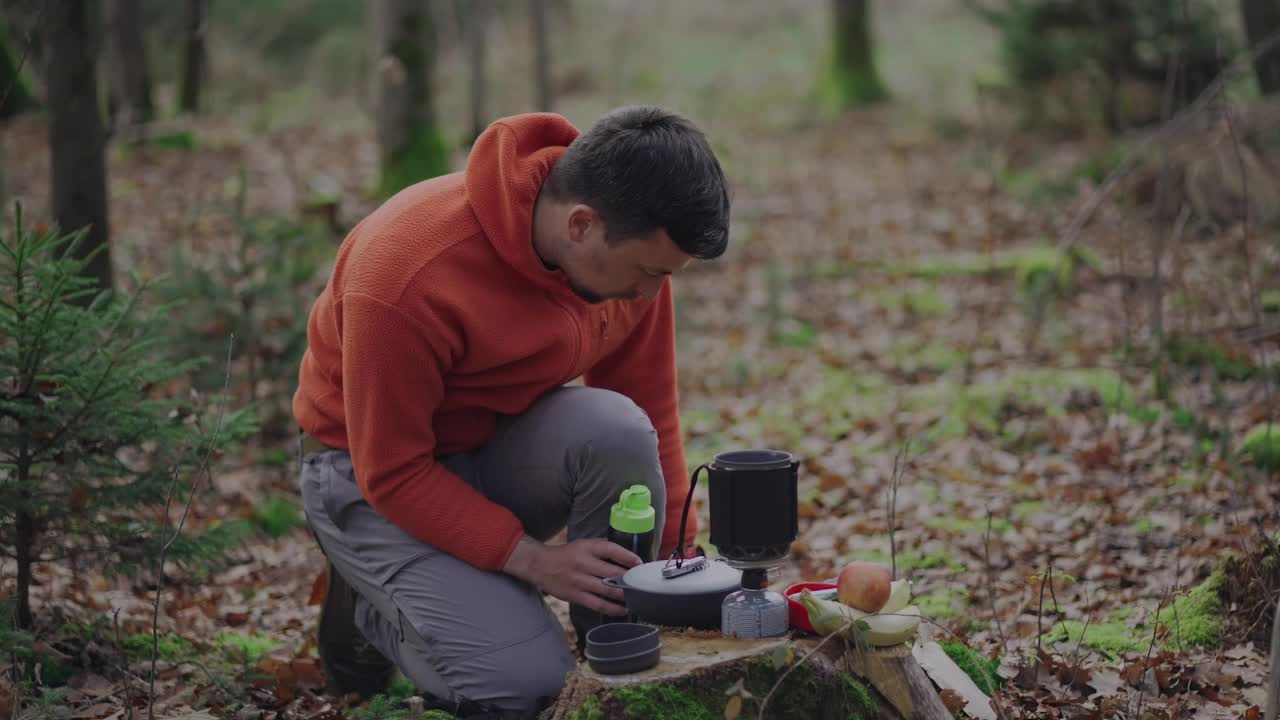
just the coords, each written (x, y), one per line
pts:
(754, 519)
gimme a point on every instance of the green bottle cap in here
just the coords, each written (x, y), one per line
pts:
(633, 512)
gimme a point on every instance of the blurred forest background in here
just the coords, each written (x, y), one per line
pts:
(1003, 272)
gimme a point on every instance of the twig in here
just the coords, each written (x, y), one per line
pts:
(164, 549)
(991, 583)
(1273, 683)
(1155, 628)
(1040, 607)
(894, 481)
(128, 684)
(765, 703)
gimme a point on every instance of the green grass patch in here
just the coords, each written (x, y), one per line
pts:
(170, 647)
(277, 457)
(999, 526)
(910, 356)
(908, 560)
(922, 300)
(1270, 301)
(1025, 263)
(942, 604)
(277, 515)
(1027, 508)
(248, 648)
(977, 406)
(1197, 353)
(1262, 445)
(796, 334)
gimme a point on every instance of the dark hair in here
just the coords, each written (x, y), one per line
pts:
(644, 168)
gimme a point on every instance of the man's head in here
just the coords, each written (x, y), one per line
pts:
(635, 198)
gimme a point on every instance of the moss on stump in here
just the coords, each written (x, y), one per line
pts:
(702, 674)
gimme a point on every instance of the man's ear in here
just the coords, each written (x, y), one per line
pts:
(582, 218)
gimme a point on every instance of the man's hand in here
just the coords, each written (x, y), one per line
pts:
(574, 572)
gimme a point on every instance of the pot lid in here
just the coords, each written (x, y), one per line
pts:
(716, 576)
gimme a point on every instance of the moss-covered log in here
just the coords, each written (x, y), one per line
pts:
(701, 674)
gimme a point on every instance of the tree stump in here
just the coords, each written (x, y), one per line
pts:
(704, 675)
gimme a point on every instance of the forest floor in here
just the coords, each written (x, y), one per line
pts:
(901, 309)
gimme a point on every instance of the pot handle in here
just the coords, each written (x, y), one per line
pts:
(614, 582)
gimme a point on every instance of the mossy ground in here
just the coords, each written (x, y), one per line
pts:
(1194, 620)
(981, 670)
(804, 695)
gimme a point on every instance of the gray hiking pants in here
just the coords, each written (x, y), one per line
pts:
(465, 634)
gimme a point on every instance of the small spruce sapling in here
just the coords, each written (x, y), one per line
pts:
(91, 439)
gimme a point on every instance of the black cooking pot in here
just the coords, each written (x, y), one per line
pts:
(689, 599)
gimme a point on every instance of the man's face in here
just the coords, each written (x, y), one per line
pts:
(632, 268)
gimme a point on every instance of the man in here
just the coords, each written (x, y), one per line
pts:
(443, 445)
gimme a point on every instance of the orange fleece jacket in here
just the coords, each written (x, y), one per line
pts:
(439, 317)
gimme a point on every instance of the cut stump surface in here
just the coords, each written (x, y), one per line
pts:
(705, 676)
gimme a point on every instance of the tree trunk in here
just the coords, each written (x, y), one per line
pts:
(15, 94)
(477, 19)
(127, 64)
(404, 48)
(76, 138)
(195, 59)
(1261, 21)
(545, 100)
(25, 541)
(853, 71)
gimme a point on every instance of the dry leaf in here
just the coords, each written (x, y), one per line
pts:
(733, 708)
(952, 700)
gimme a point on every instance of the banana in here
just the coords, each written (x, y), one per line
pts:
(828, 616)
(882, 629)
(899, 597)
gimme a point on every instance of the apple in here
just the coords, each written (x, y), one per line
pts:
(864, 586)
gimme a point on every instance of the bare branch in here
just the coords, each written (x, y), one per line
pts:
(164, 549)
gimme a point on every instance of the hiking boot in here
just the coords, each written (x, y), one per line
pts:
(351, 663)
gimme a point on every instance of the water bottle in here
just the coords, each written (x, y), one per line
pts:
(631, 523)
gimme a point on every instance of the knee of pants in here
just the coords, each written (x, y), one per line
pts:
(616, 429)
(519, 679)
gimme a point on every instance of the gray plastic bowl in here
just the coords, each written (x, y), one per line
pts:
(618, 648)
